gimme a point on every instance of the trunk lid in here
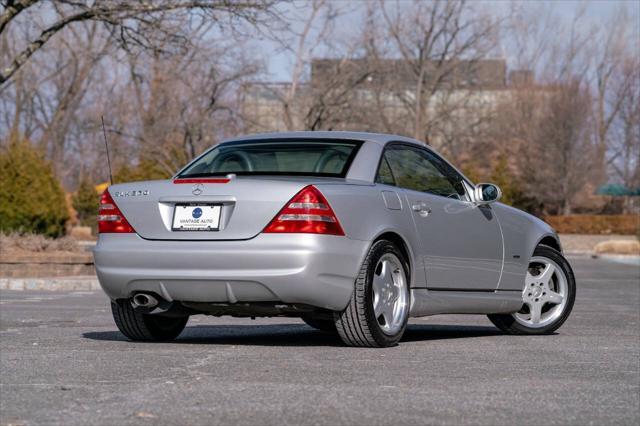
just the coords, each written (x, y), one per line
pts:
(247, 204)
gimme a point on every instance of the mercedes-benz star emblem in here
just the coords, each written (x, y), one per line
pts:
(197, 189)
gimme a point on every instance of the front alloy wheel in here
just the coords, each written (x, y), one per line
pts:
(548, 296)
(544, 295)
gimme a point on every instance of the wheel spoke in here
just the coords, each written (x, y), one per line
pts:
(387, 313)
(377, 305)
(555, 298)
(378, 285)
(546, 274)
(536, 312)
(386, 271)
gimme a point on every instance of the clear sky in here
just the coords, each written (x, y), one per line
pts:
(596, 11)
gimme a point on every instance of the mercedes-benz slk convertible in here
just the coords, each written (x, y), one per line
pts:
(352, 232)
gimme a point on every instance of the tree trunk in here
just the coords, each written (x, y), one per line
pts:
(419, 107)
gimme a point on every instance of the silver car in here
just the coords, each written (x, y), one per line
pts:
(352, 232)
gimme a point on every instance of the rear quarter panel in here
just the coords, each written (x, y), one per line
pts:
(363, 214)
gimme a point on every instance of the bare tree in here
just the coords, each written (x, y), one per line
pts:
(172, 77)
(186, 102)
(616, 78)
(439, 43)
(71, 77)
(42, 103)
(546, 126)
(624, 144)
(319, 89)
(320, 10)
(134, 23)
(54, 96)
(563, 146)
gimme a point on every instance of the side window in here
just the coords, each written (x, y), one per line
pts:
(414, 169)
(449, 172)
(384, 175)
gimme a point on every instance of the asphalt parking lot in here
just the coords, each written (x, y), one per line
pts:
(62, 361)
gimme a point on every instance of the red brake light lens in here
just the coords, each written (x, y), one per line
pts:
(308, 212)
(110, 218)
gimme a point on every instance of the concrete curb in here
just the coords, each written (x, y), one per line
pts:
(626, 259)
(80, 283)
(578, 253)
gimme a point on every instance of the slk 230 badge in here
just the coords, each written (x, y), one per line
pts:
(133, 193)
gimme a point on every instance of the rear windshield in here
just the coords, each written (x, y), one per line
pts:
(290, 157)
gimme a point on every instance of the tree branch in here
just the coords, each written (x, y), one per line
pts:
(36, 44)
(116, 14)
(12, 10)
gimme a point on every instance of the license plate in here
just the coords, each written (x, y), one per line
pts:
(200, 217)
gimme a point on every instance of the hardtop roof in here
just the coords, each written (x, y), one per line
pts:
(379, 138)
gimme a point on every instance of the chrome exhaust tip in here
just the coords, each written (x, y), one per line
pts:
(143, 300)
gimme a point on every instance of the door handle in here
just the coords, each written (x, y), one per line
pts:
(421, 209)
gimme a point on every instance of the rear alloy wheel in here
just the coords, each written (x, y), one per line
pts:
(378, 312)
(548, 296)
(145, 327)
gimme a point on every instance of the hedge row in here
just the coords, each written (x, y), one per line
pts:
(31, 198)
(595, 224)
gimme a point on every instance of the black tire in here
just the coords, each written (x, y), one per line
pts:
(144, 327)
(328, 326)
(357, 325)
(508, 324)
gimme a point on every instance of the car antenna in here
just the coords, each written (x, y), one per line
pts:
(106, 145)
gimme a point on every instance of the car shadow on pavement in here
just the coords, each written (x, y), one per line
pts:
(418, 332)
(297, 334)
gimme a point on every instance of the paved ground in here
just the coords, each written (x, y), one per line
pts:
(63, 362)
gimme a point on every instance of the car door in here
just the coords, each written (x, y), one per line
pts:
(460, 242)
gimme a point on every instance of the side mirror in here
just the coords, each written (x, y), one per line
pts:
(486, 193)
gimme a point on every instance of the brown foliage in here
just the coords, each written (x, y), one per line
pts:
(595, 224)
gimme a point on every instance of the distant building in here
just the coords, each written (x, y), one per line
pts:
(262, 107)
(385, 85)
(485, 73)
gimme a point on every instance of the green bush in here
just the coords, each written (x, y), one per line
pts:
(502, 177)
(85, 202)
(31, 198)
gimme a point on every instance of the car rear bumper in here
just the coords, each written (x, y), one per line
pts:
(318, 270)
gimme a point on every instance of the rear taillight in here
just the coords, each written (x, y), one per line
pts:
(307, 212)
(110, 218)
